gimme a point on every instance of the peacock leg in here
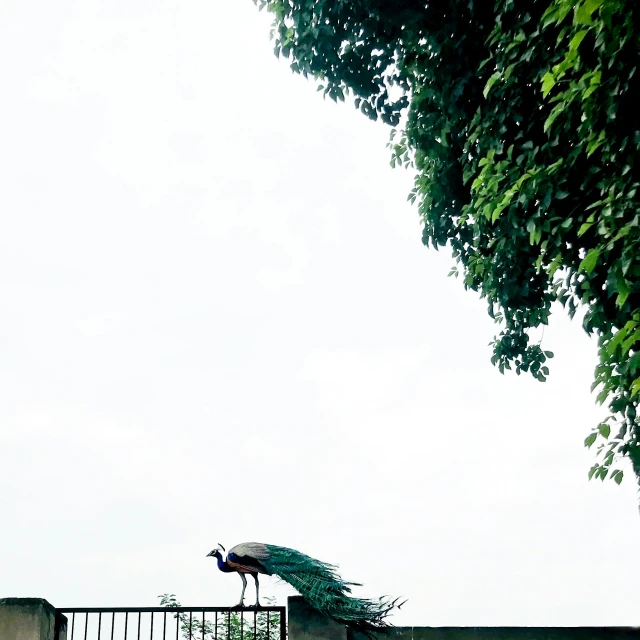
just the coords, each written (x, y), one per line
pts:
(244, 586)
(255, 577)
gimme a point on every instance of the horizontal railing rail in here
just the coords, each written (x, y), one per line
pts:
(168, 623)
(66, 610)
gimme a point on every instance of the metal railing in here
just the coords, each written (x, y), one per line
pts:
(169, 623)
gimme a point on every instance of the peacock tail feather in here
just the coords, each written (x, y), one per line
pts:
(321, 586)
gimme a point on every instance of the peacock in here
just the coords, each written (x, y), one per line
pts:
(316, 581)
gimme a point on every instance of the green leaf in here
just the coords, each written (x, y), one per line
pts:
(634, 363)
(616, 340)
(617, 476)
(555, 112)
(590, 260)
(576, 40)
(623, 292)
(630, 342)
(590, 439)
(584, 228)
(585, 10)
(605, 430)
(635, 387)
(594, 144)
(490, 82)
(548, 81)
(536, 236)
(594, 83)
(622, 233)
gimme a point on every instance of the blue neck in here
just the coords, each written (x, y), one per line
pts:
(222, 563)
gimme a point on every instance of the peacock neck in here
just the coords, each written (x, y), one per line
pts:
(222, 563)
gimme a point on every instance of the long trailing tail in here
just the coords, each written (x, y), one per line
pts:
(320, 585)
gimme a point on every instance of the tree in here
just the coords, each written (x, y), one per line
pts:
(520, 120)
(233, 626)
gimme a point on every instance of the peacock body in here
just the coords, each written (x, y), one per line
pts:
(317, 582)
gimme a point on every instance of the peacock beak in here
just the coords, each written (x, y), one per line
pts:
(210, 554)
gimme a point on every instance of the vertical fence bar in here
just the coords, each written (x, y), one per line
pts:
(126, 624)
(241, 624)
(203, 625)
(164, 627)
(73, 624)
(268, 621)
(86, 623)
(229, 625)
(215, 627)
(283, 626)
(177, 625)
(139, 618)
(190, 622)
(113, 621)
(99, 624)
(151, 634)
(255, 623)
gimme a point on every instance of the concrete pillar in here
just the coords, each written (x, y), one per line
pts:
(30, 619)
(305, 623)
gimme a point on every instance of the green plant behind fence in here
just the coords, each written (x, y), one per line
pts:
(232, 626)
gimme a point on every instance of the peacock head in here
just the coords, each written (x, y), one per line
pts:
(216, 552)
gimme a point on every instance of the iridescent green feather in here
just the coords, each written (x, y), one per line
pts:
(319, 584)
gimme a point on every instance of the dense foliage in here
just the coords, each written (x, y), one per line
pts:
(521, 120)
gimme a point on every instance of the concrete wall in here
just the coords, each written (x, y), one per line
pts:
(513, 633)
(30, 619)
(305, 623)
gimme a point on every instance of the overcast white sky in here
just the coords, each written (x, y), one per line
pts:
(218, 324)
